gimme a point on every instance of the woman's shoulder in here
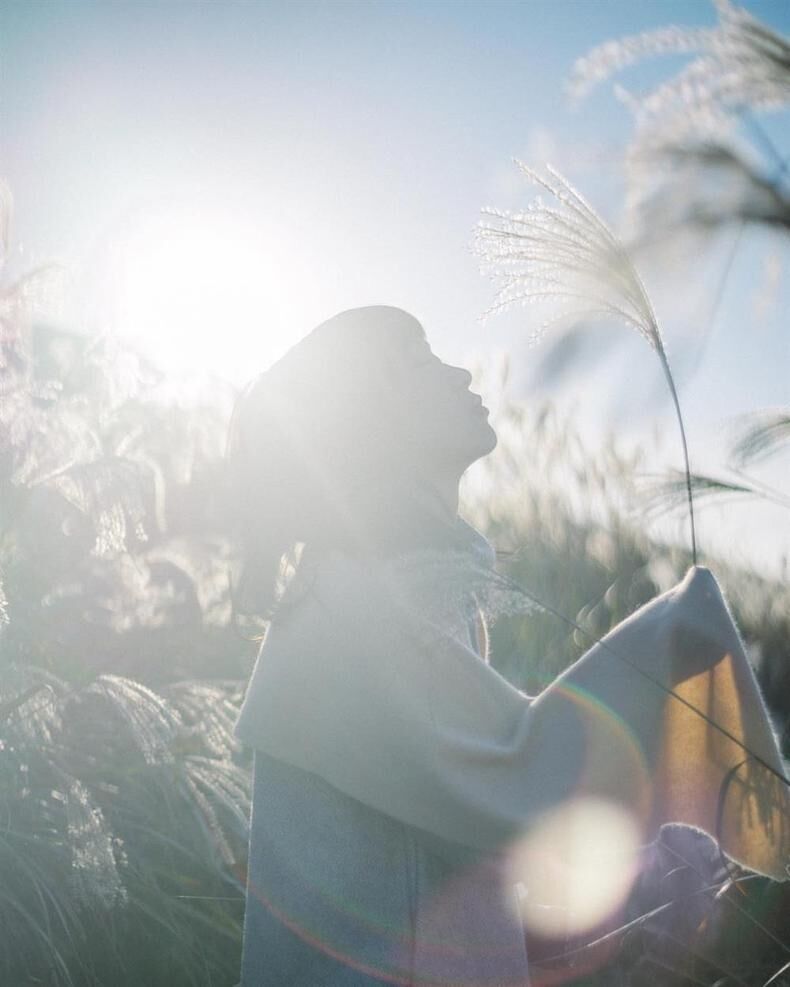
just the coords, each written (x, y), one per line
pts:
(450, 584)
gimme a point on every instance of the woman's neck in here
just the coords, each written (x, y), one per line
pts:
(442, 498)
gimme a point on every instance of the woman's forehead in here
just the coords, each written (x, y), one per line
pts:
(377, 326)
(406, 333)
(361, 336)
(374, 316)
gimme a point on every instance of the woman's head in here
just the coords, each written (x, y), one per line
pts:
(341, 443)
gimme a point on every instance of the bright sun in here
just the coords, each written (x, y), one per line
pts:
(199, 291)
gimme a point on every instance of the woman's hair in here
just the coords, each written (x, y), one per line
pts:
(317, 458)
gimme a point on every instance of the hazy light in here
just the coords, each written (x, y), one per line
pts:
(199, 290)
(576, 866)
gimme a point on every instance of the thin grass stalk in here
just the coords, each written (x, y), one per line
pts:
(742, 911)
(765, 490)
(699, 957)
(662, 355)
(768, 145)
(562, 244)
(676, 402)
(774, 977)
(662, 965)
(639, 920)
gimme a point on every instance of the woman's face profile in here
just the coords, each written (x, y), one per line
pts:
(447, 422)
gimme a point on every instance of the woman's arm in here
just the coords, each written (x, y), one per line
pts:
(357, 686)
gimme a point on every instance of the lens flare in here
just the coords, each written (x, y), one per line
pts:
(576, 865)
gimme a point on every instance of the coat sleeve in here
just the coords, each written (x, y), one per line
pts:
(392, 709)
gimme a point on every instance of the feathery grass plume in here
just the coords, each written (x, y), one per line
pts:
(103, 852)
(682, 164)
(219, 784)
(741, 62)
(94, 876)
(567, 255)
(704, 185)
(152, 722)
(207, 713)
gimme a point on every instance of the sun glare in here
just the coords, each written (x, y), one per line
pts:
(577, 865)
(199, 291)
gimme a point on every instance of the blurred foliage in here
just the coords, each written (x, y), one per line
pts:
(124, 832)
(571, 525)
(125, 797)
(690, 166)
(110, 531)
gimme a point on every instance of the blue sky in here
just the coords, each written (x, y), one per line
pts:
(219, 177)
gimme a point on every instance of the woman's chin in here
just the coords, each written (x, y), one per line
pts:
(492, 437)
(486, 443)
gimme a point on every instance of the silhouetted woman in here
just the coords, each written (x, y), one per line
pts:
(413, 812)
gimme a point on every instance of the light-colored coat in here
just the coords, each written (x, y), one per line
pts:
(360, 684)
